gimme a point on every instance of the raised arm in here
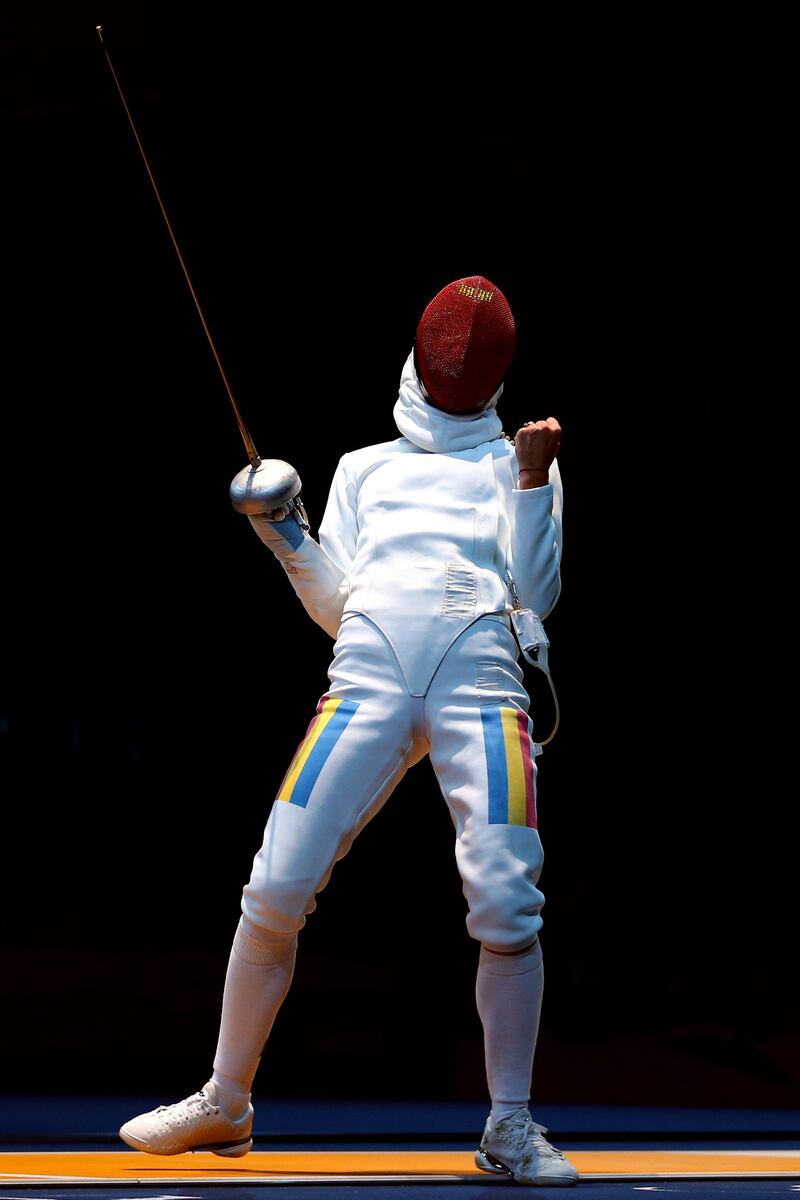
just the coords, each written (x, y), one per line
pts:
(536, 516)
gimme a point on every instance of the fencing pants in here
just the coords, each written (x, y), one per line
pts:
(366, 733)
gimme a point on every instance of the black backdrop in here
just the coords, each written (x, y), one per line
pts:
(628, 174)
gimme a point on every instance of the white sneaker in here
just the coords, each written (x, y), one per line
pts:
(516, 1146)
(197, 1123)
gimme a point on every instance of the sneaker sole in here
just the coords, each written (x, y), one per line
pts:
(230, 1150)
(487, 1162)
(492, 1165)
(223, 1149)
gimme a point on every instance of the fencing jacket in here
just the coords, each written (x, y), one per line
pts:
(419, 533)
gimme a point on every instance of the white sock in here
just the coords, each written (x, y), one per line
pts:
(233, 1102)
(508, 992)
(258, 977)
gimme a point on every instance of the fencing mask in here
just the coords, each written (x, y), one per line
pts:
(464, 344)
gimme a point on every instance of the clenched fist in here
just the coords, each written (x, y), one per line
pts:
(536, 444)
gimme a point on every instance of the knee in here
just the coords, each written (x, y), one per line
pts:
(500, 868)
(504, 931)
(505, 916)
(275, 904)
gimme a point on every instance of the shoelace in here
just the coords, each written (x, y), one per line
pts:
(543, 1146)
(180, 1113)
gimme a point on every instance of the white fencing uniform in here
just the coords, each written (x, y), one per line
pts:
(409, 575)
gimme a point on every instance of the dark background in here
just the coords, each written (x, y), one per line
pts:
(629, 175)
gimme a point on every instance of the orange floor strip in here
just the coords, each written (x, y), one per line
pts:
(264, 1167)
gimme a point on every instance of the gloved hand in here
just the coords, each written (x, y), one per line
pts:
(293, 510)
(277, 514)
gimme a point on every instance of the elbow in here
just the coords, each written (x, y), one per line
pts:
(327, 620)
(541, 594)
(328, 614)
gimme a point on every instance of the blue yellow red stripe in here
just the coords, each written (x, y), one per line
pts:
(509, 767)
(329, 723)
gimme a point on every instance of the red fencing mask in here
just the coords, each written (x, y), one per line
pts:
(464, 344)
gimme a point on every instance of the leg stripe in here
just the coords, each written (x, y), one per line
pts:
(496, 768)
(528, 768)
(333, 716)
(509, 767)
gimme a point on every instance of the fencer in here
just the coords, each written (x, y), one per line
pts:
(427, 543)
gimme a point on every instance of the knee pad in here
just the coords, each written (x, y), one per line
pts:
(262, 947)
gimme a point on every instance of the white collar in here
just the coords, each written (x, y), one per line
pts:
(432, 429)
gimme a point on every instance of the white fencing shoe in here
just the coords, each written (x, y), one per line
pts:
(516, 1146)
(197, 1123)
